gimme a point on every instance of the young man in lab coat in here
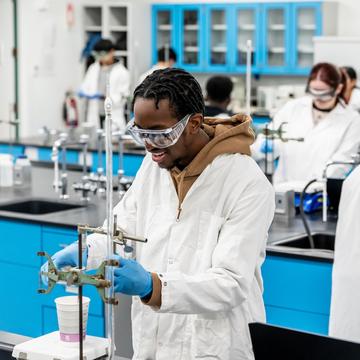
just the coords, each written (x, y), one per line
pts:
(205, 208)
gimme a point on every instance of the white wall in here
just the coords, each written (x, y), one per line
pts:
(349, 12)
(6, 65)
(49, 62)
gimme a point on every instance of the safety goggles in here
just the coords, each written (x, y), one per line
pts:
(322, 95)
(99, 54)
(158, 138)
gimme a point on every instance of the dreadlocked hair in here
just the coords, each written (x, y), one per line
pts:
(178, 86)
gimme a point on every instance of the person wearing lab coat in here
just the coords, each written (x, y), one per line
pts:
(93, 87)
(218, 96)
(166, 57)
(322, 129)
(345, 293)
(352, 93)
(205, 208)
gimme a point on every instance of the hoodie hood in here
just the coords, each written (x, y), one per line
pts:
(227, 136)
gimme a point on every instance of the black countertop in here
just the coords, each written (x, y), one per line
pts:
(94, 213)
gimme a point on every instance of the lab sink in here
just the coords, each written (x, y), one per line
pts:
(38, 207)
(321, 241)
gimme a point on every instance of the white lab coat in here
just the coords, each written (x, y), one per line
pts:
(119, 91)
(336, 137)
(345, 294)
(209, 260)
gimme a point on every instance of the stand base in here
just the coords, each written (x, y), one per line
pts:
(49, 347)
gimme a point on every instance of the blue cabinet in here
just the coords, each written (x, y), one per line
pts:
(297, 293)
(218, 40)
(275, 49)
(19, 266)
(191, 35)
(23, 310)
(164, 28)
(212, 37)
(306, 20)
(246, 26)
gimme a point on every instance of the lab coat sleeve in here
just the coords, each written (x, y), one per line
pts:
(89, 84)
(349, 146)
(120, 86)
(345, 293)
(226, 284)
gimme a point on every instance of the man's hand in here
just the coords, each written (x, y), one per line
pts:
(131, 278)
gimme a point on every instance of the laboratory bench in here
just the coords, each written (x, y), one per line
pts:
(297, 285)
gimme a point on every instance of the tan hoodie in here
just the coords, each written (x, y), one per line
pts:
(227, 136)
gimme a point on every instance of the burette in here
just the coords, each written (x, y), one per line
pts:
(109, 308)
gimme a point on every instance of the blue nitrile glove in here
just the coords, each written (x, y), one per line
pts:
(65, 257)
(267, 146)
(131, 278)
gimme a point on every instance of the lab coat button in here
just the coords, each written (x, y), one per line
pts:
(171, 261)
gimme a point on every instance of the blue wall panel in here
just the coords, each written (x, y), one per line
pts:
(14, 150)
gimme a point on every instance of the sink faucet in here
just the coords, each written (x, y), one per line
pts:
(84, 186)
(60, 179)
(124, 182)
(354, 162)
(98, 178)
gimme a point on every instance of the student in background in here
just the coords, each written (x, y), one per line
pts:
(352, 92)
(93, 87)
(218, 96)
(166, 59)
(326, 129)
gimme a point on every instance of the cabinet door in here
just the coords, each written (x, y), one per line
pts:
(246, 25)
(19, 267)
(20, 242)
(191, 37)
(164, 26)
(218, 42)
(276, 38)
(306, 22)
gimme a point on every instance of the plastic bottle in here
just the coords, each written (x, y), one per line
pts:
(22, 172)
(6, 170)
